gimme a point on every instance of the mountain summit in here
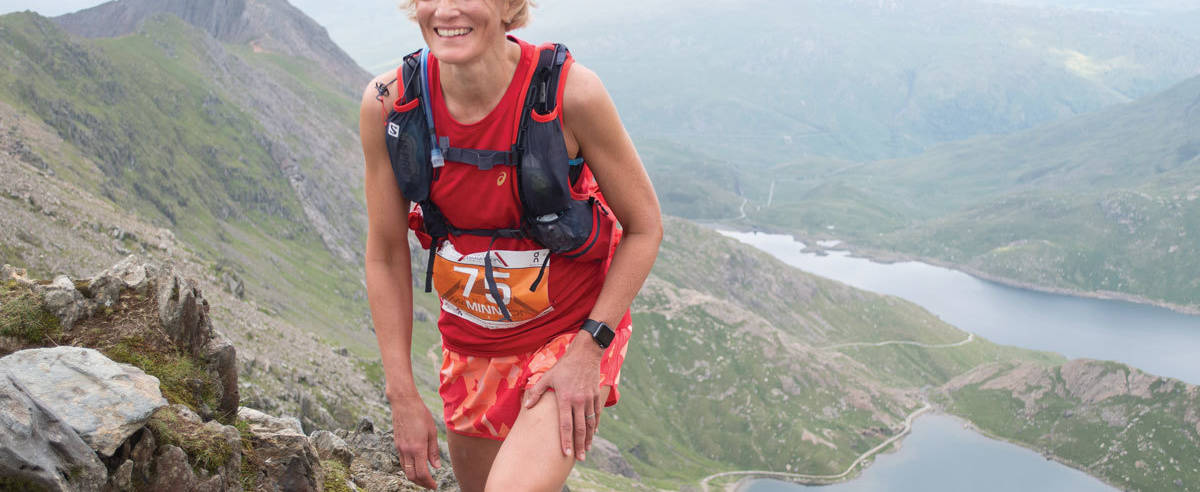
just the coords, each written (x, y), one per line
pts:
(265, 25)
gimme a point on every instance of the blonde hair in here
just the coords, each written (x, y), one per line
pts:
(519, 19)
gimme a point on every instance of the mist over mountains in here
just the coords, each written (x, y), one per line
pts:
(767, 81)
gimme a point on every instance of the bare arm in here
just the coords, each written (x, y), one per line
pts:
(389, 292)
(590, 116)
(593, 126)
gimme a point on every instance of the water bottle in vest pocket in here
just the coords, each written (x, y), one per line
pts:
(575, 228)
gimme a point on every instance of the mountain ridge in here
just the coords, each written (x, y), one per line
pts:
(267, 25)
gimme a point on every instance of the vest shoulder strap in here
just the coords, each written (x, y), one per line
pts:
(406, 75)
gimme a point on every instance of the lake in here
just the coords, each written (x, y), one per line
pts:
(1153, 339)
(941, 455)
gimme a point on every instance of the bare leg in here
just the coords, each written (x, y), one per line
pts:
(531, 458)
(472, 459)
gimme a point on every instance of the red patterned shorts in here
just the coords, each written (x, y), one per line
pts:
(481, 396)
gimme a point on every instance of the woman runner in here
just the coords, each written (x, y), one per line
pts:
(504, 433)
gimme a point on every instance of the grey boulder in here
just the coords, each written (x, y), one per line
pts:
(290, 461)
(331, 447)
(65, 301)
(131, 273)
(103, 401)
(39, 451)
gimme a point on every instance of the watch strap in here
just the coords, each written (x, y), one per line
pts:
(600, 332)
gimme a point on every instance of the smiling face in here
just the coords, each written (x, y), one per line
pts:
(458, 31)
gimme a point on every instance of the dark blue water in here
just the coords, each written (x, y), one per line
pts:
(1156, 340)
(941, 455)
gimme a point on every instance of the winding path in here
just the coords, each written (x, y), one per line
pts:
(907, 423)
(800, 476)
(970, 338)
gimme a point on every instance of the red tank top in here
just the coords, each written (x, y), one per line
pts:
(472, 198)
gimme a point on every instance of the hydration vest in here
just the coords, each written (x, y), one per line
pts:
(551, 216)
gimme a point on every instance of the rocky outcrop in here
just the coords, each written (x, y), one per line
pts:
(331, 447)
(73, 419)
(181, 308)
(1095, 381)
(376, 466)
(180, 451)
(183, 313)
(103, 401)
(65, 302)
(288, 457)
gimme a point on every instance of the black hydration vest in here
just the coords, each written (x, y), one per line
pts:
(550, 216)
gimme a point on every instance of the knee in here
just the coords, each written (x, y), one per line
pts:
(508, 482)
(501, 482)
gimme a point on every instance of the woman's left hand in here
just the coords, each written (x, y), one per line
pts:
(576, 382)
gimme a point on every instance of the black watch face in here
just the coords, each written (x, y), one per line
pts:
(600, 332)
(604, 336)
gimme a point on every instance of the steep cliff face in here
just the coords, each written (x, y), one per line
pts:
(268, 25)
(221, 18)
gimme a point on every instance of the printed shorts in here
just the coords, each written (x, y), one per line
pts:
(482, 396)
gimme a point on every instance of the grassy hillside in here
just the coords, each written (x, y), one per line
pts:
(154, 131)
(734, 365)
(1134, 430)
(731, 366)
(1099, 203)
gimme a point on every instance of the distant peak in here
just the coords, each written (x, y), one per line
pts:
(267, 25)
(223, 19)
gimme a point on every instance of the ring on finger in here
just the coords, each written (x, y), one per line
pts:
(590, 417)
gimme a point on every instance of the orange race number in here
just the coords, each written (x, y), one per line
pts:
(460, 282)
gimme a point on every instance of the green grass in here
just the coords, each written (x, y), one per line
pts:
(23, 316)
(181, 379)
(251, 465)
(336, 475)
(208, 451)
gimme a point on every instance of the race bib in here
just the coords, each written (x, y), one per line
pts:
(460, 282)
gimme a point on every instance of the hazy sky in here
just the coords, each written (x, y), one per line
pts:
(357, 26)
(46, 8)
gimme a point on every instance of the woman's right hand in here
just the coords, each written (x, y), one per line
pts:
(415, 436)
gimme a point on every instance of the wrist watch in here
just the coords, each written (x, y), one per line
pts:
(600, 332)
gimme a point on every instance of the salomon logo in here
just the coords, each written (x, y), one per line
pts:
(393, 130)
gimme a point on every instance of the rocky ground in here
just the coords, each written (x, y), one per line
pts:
(120, 382)
(52, 226)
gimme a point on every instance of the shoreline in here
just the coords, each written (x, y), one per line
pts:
(883, 256)
(743, 483)
(849, 474)
(1049, 456)
(887, 257)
